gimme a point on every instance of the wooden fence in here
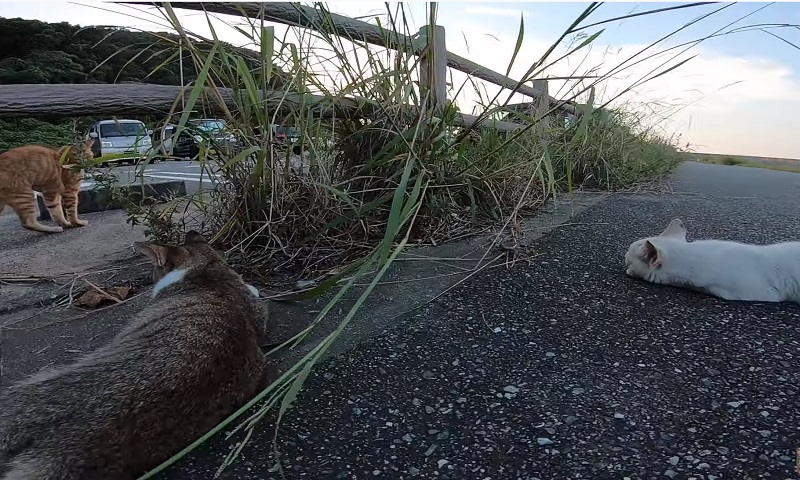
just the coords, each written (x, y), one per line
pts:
(147, 99)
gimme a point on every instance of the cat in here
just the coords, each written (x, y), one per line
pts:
(725, 269)
(184, 363)
(30, 168)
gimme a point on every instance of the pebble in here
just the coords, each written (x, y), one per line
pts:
(544, 441)
(671, 473)
(442, 463)
(674, 460)
(764, 433)
(511, 389)
(735, 404)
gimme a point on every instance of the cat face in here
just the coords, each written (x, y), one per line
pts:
(195, 253)
(71, 174)
(645, 256)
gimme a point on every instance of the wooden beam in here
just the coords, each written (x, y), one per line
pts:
(68, 100)
(294, 14)
(433, 66)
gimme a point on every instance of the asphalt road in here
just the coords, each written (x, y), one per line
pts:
(566, 368)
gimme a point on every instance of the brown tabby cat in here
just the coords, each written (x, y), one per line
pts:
(32, 167)
(183, 364)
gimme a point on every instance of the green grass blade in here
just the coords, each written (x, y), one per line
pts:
(520, 37)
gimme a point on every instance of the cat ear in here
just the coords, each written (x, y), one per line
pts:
(193, 236)
(155, 253)
(651, 254)
(676, 229)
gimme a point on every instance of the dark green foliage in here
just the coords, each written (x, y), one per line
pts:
(29, 131)
(40, 52)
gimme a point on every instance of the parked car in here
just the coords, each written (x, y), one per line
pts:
(120, 137)
(194, 133)
(283, 133)
(164, 141)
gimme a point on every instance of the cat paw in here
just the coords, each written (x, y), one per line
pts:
(77, 222)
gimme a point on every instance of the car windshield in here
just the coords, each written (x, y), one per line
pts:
(122, 129)
(209, 125)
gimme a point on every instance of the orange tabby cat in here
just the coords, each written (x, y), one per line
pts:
(32, 167)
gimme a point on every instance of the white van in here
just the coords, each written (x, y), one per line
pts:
(120, 137)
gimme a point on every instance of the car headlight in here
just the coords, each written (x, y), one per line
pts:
(146, 141)
(197, 138)
(106, 144)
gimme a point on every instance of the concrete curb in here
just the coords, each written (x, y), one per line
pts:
(99, 200)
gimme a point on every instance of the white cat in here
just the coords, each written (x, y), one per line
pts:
(729, 270)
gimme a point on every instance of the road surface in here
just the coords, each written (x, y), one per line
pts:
(561, 369)
(566, 368)
(190, 172)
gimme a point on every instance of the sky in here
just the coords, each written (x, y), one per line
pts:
(734, 96)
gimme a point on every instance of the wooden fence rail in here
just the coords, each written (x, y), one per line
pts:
(69, 100)
(295, 14)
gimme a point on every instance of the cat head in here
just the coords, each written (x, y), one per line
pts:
(647, 255)
(194, 254)
(72, 159)
(75, 154)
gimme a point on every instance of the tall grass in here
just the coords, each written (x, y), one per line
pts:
(400, 170)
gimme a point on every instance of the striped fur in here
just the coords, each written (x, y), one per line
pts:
(30, 168)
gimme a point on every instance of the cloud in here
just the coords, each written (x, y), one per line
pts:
(495, 11)
(708, 100)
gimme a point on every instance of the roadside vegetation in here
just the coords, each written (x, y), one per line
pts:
(780, 164)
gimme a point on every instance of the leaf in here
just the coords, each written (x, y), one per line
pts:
(520, 36)
(95, 297)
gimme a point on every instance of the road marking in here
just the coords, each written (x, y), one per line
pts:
(170, 172)
(182, 174)
(180, 177)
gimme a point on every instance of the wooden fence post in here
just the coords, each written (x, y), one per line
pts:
(433, 67)
(542, 105)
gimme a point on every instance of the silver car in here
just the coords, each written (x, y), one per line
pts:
(120, 137)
